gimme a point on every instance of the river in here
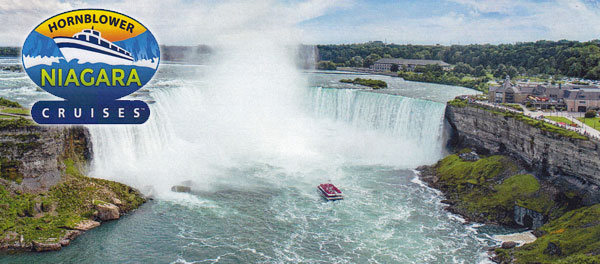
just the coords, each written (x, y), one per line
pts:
(254, 150)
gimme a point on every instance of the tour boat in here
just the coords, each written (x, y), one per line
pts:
(330, 192)
(89, 46)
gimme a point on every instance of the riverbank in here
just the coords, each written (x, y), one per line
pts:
(491, 190)
(46, 200)
(512, 179)
(442, 77)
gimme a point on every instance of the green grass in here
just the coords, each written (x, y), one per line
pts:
(576, 233)
(63, 206)
(9, 103)
(17, 111)
(14, 123)
(458, 102)
(490, 188)
(545, 126)
(592, 122)
(559, 119)
(514, 106)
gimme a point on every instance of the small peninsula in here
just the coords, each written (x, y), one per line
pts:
(375, 84)
(45, 198)
(516, 171)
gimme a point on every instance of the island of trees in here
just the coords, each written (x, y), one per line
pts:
(375, 84)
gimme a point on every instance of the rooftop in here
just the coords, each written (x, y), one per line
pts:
(411, 61)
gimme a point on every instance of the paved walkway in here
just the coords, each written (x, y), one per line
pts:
(16, 115)
(587, 130)
(583, 129)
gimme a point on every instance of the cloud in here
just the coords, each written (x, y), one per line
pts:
(174, 22)
(490, 6)
(20, 17)
(468, 21)
(184, 22)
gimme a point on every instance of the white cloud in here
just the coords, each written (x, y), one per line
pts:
(172, 21)
(489, 6)
(518, 21)
(183, 22)
(18, 18)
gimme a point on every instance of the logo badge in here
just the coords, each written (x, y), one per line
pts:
(91, 58)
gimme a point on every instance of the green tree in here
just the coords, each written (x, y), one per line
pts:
(326, 65)
(512, 71)
(370, 60)
(463, 68)
(356, 61)
(590, 114)
(479, 71)
(394, 67)
(500, 71)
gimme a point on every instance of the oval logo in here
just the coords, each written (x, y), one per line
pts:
(90, 56)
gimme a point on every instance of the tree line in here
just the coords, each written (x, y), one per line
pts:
(10, 51)
(564, 57)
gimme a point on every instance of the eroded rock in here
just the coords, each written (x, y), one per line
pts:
(86, 225)
(107, 211)
(46, 246)
(509, 244)
(181, 188)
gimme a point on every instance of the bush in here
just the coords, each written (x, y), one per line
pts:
(590, 114)
(8, 103)
(326, 65)
(375, 84)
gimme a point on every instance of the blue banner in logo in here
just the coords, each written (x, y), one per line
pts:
(108, 112)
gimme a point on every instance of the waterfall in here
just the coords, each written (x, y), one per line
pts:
(413, 124)
(203, 140)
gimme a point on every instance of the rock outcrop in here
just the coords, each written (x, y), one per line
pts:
(46, 200)
(570, 163)
(107, 211)
(30, 155)
(86, 225)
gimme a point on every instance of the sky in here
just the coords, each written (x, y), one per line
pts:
(189, 22)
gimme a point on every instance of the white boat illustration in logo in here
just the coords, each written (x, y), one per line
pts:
(89, 46)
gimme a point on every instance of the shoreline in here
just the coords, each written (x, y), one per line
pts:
(46, 199)
(512, 178)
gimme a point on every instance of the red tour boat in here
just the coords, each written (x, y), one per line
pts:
(330, 192)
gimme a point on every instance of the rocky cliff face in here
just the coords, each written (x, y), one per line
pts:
(45, 198)
(31, 156)
(569, 163)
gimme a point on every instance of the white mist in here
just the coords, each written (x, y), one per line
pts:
(253, 106)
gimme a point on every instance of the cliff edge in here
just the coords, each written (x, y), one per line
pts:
(568, 160)
(511, 169)
(45, 198)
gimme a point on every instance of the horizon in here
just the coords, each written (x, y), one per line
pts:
(391, 43)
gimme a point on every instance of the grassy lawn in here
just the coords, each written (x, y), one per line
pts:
(5, 116)
(592, 122)
(18, 111)
(559, 119)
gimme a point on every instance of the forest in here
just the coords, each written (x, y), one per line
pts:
(564, 57)
(9, 51)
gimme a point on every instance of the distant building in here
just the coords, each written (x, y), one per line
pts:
(407, 64)
(513, 93)
(575, 98)
(582, 99)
